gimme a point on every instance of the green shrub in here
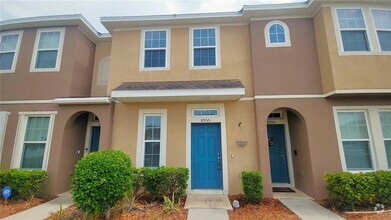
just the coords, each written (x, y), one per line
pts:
(350, 191)
(24, 184)
(165, 181)
(252, 186)
(138, 180)
(100, 180)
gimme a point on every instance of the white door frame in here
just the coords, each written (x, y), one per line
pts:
(288, 147)
(220, 118)
(91, 123)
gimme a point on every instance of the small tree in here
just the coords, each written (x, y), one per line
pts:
(100, 180)
(252, 186)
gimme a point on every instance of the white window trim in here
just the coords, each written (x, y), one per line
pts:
(374, 46)
(2, 136)
(15, 60)
(59, 53)
(217, 46)
(287, 42)
(20, 133)
(140, 135)
(377, 148)
(375, 29)
(142, 50)
(100, 80)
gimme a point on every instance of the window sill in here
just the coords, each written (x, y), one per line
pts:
(204, 67)
(45, 70)
(278, 45)
(6, 71)
(154, 69)
(365, 53)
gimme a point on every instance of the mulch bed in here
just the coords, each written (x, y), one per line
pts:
(359, 216)
(14, 207)
(268, 209)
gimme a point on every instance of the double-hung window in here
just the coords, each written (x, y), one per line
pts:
(155, 52)
(204, 44)
(385, 120)
(33, 140)
(353, 30)
(355, 140)
(382, 20)
(9, 49)
(48, 50)
(151, 145)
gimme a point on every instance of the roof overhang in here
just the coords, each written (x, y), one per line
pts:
(209, 90)
(82, 101)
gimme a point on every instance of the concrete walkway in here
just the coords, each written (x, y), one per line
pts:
(308, 209)
(44, 210)
(202, 207)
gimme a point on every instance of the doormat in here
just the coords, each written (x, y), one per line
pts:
(282, 189)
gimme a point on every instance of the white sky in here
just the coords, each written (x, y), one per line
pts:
(92, 10)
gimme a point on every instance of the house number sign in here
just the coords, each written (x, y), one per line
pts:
(205, 120)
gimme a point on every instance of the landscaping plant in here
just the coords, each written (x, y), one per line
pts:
(24, 184)
(252, 186)
(169, 205)
(101, 179)
(351, 191)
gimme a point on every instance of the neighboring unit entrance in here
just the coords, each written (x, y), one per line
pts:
(206, 159)
(278, 154)
(95, 135)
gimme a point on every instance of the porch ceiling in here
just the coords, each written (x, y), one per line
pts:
(207, 90)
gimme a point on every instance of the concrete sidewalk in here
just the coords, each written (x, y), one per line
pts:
(308, 210)
(44, 210)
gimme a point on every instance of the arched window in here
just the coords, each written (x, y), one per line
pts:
(103, 71)
(277, 34)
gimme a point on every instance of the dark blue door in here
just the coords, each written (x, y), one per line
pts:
(95, 135)
(277, 153)
(206, 164)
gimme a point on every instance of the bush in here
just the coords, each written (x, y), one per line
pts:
(165, 181)
(252, 186)
(350, 191)
(24, 184)
(100, 180)
(138, 180)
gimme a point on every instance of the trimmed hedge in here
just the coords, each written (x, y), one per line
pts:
(24, 184)
(100, 180)
(165, 181)
(252, 186)
(350, 191)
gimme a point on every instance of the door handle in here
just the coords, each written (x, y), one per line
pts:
(218, 161)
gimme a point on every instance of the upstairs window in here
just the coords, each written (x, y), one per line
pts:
(385, 120)
(9, 48)
(155, 49)
(353, 30)
(103, 71)
(48, 50)
(277, 34)
(382, 20)
(204, 44)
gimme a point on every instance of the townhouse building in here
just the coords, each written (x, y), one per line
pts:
(293, 90)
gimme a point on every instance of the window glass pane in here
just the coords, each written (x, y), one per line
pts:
(277, 34)
(204, 37)
(155, 39)
(37, 129)
(357, 155)
(205, 57)
(385, 119)
(32, 157)
(350, 18)
(382, 19)
(353, 125)
(152, 154)
(8, 42)
(6, 60)
(49, 40)
(46, 59)
(152, 127)
(155, 58)
(387, 144)
(385, 40)
(354, 41)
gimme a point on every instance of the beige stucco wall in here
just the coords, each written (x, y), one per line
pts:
(347, 71)
(125, 128)
(102, 50)
(235, 58)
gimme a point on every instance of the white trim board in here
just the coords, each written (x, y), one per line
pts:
(224, 152)
(4, 119)
(88, 100)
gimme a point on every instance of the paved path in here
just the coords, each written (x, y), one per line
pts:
(308, 209)
(204, 207)
(44, 210)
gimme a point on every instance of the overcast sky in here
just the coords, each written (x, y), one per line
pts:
(93, 9)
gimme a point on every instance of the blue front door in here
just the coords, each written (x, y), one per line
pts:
(206, 160)
(95, 136)
(277, 153)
